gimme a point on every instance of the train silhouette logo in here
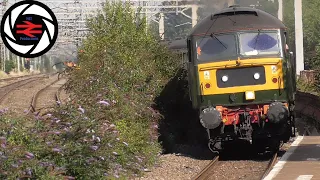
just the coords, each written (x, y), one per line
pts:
(29, 29)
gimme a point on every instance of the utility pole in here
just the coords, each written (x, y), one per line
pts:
(194, 15)
(299, 36)
(280, 10)
(161, 26)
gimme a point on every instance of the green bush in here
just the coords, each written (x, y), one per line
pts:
(9, 66)
(108, 128)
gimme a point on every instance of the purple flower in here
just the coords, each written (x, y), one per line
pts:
(25, 111)
(94, 147)
(81, 109)
(98, 139)
(70, 177)
(56, 150)
(29, 172)
(29, 155)
(104, 102)
(48, 143)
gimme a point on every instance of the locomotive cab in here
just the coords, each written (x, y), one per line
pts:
(242, 76)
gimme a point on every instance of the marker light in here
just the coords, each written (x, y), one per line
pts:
(207, 86)
(274, 80)
(224, 78)
(256, 76)
(250, 95)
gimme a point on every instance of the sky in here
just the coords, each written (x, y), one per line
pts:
(66, 11)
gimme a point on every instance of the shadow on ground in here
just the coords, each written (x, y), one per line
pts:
(180, 130)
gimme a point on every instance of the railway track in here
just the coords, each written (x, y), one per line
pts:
(212, 168)
(35, 105)
(5, 90)
(17, 77)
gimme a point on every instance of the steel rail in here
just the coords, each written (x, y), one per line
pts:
(272, 162)
(35, 97)
(10, 87)
(206, 171)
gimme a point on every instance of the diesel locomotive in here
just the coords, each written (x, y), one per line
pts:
(241, 77)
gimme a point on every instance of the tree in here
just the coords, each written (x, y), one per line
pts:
(311, 32)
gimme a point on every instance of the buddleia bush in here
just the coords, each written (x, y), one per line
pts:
(123, 67)
(108, 128)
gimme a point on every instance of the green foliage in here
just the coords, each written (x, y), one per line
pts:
(9, 66)
(311, 33)
(107, 129)
(304, 86)
(46, 64)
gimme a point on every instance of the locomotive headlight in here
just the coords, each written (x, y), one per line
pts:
(224, 78)
(256, 76)
(250, 95)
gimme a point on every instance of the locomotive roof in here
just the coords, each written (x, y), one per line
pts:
(235, 19)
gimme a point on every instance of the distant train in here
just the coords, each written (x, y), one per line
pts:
(241, 77)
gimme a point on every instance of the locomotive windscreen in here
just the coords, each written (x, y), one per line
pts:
(216, 48)
(259, 43)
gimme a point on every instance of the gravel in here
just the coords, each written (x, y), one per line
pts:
(175, 167)
(183, 167)
(47, 98)
(19, 99)
(180, 166)
(231, 170)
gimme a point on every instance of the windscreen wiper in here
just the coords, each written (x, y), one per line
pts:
(255, 45)
(212, 35)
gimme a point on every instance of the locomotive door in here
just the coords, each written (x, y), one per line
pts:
(191, 76)
(291, 70)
